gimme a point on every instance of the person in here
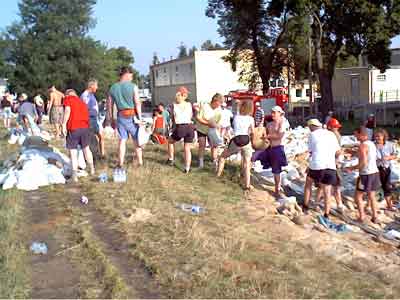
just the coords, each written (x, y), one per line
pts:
(324, 150)
(334, 126)
(274, 156)
(328, 117)
(243, 127)
(370, 125)
(226, 119)
(181, 116)
(55, 109)
(89, 98)
(158, 127)
(27, 114)
(75, 127)
(209, 116)
(259, 115)
(6, 105)
(39, 104)
(166, 118)
(386, 152)
(125, 95)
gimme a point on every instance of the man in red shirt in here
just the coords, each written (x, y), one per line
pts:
(76, 129)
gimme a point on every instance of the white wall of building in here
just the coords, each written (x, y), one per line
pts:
(385, 86)
(214, 75)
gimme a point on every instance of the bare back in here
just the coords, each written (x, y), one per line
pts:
(56, 98)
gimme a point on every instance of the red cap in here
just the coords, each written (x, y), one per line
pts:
(333, 123)
(183, 90)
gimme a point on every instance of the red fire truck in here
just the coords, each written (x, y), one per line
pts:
(275, 96)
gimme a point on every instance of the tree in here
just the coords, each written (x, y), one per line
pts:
(345, 29)
(182, 51)
(252, 24)
(208, 46)
(192, 51)
(155, 60)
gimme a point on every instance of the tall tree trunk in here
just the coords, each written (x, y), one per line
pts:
(263, 61)
(325, 81)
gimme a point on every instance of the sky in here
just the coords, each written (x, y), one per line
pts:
(146, 27)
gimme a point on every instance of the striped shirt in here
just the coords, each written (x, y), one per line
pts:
(259, 116)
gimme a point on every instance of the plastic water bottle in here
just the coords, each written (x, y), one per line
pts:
(84, 200)
(39, 248)
(103, 177)
(116, 175)
(195, 209)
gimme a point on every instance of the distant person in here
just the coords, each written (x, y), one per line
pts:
(76, 129)
(6, 106)
(369, 181)
(324, 149)
(158, 128)
(39, 104)
(226, 120)
(55, 109)
(209, 116)
(274, 157)
(328, 117)
(125, 95)
(183, 128)
(243, 128)
(27, 114)
(166, 117)
(386, 152)
(259, 115)
(89, 97)
(370, 126)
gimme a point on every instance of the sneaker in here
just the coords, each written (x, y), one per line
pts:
(341, 209)
(186, 171)
(170, 163)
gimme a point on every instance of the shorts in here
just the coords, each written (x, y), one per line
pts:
(7, 113)
(272, 157)
(246, 150)
(384, 174)
(127, 127)
(183, 131)
(200, 135)
(368, 183)
(325, 176)
(94, 124)
(56, 115)
(78, 137)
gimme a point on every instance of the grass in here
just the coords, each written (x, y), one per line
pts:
(13, 252)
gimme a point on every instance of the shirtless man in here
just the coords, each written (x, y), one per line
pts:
(274, 157)
(55, 109)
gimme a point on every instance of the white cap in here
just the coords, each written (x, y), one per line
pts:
(24, 96)
(314, 122)
(278, 109)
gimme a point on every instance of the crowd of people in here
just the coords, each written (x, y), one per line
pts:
(213, 124)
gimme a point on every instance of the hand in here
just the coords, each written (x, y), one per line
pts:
(113, 124)
(64, 130)
(387, 158)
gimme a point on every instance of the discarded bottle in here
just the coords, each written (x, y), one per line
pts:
(103, 177)
(39, 248)
(119, 175)
(84, 200)
(195, 209)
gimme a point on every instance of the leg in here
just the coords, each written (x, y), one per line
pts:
(246, 171)
(138, 152)
(74, 162)
(100, 138)
(214, 153)
(202, 147)
(307, 191)
(171, 149)
(277, 180)
(221, 162)
(338, 196)
(372, 200)
(327, 197)
(320, 194)
(89, 158)
(122, 151)
(188, 156)
(389, 202)
(360, 204)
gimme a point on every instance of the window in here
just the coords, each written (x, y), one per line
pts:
(355, 86)
(299, 93)
(165, 70)
(191, 66)
(308, 92)
(177, 69)
(381, 77)
(156, 73)
(281, 82)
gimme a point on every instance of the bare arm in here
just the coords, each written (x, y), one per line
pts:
(138, 104)
(51, 100)
(67, 113)
(153, 126)
(110, 110)
(363, 154)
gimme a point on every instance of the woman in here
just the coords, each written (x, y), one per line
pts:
(182, 113)
(209, 116)
(243, 127)
(6, 105)
(386, 152)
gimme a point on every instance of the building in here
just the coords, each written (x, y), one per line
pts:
(364, 89)
(204, 74)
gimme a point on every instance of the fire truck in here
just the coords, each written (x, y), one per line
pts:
(275, 96)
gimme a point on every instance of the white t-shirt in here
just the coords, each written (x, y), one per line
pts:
(323, 146)
(183, 113)
(242, 124)
(226, 116)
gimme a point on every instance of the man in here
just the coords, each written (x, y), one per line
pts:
(324, 148)
(55, 109)
(259, 115)
(124, 94)
(328, 117)
(27, 114)
(369, 180)
(370, 125)
(88, 96)
(76, 129)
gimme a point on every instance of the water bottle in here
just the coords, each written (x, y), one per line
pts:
(116, 175)
(84, 200)
(103, 177)
(195, 209)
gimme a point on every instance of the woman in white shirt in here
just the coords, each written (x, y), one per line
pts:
(243, 127)
(182, 114)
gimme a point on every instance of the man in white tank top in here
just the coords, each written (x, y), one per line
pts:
(369, 180)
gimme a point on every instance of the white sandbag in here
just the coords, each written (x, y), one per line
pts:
(55, 175)
(10, 181)
(349, 141)
(395, 173)
(143, 136)
(13, 139)
(28, 183)
(3, 177)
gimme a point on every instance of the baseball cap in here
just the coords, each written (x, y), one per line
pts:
(314, 122)
(183, 90)
(278, 109)
(23, 97)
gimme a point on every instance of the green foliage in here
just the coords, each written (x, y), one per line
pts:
(208, 45)
(155, 60)
(192, 51)
(50, 46)
(183, 52)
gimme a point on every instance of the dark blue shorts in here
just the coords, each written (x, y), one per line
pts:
(272, 157)
(78, 137)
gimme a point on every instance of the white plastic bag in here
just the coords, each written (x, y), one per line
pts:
(143, 136)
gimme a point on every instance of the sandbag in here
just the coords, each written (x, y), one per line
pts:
(258, 139)
(143, 136)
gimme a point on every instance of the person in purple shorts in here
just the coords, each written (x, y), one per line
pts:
(274, 157)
